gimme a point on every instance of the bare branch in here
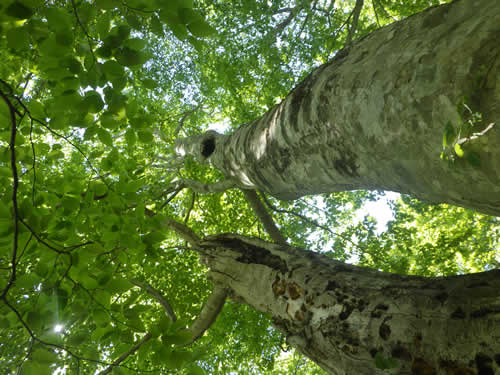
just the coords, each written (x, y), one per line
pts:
(201, 188)
(264, 216)
(184, 231)
(307, 220)
(209, 312)
(184, 116)
(157, 296)
(188, 212)
(126, 354)
(355, 18)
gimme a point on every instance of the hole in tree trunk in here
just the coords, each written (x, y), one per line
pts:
(208, 147)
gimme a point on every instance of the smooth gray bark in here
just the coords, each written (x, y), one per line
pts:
(341, 316)
(374, 117)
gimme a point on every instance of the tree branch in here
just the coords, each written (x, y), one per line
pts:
(157, 296)
(264, 216)
(201, 188)
(184, 231)
(209, 312)
(355, 18)
(126, 354)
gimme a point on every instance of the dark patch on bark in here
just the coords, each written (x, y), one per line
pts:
(484, 364)
(251, 254)
(361, 305)
(283, 160)
(341, 297)
(279, 287)
(458, 314)
(400, 352)
(453, 368)
(442, 297)
(332, 285)
(294, 291)
(301, 97)
(385, 330)
(478, 284)
(346, 311)
(484, 311)
(373, 352)
(379, 310)
(497, 359)
(346, 166)
(421, 367)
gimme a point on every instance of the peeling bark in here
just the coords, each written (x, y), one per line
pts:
(374, 117)
(341, 316)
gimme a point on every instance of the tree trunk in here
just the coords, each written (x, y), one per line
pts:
(350, 319)
(375, 116)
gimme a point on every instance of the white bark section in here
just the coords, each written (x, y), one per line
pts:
(341, 316)
(374, 117)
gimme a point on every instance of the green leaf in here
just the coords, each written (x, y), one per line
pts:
(101, 318)
(128, 57)
(113, 69)
(19, 10)
(196, 370)
(130, 137)
(34, 368)
(18, 38)
(179, 30)
(59, 19)
(34, 320)
(201, 29)
(156, 26)
(93, 101)
(182, 337)
(118, 285)
(42, 355)
(107, 4)
(189, 15)
(176, 359)
(145, 135)
(104, 136)
(135, 43)
(109, 121)
(458, 150)
(134, 21)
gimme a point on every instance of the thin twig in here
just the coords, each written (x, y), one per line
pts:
(15, 185)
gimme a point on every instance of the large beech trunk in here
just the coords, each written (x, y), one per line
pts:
(374, 117)
(344, 317)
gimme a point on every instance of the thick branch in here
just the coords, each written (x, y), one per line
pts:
(157, 296)
(184, 231)
(209, 312)
(355, 19)
(264, 216)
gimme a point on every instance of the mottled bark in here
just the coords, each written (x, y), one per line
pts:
(341, 316)
(374, 117)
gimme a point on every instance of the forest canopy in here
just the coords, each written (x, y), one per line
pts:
(93, 96)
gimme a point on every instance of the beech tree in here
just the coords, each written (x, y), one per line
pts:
(134, 239)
